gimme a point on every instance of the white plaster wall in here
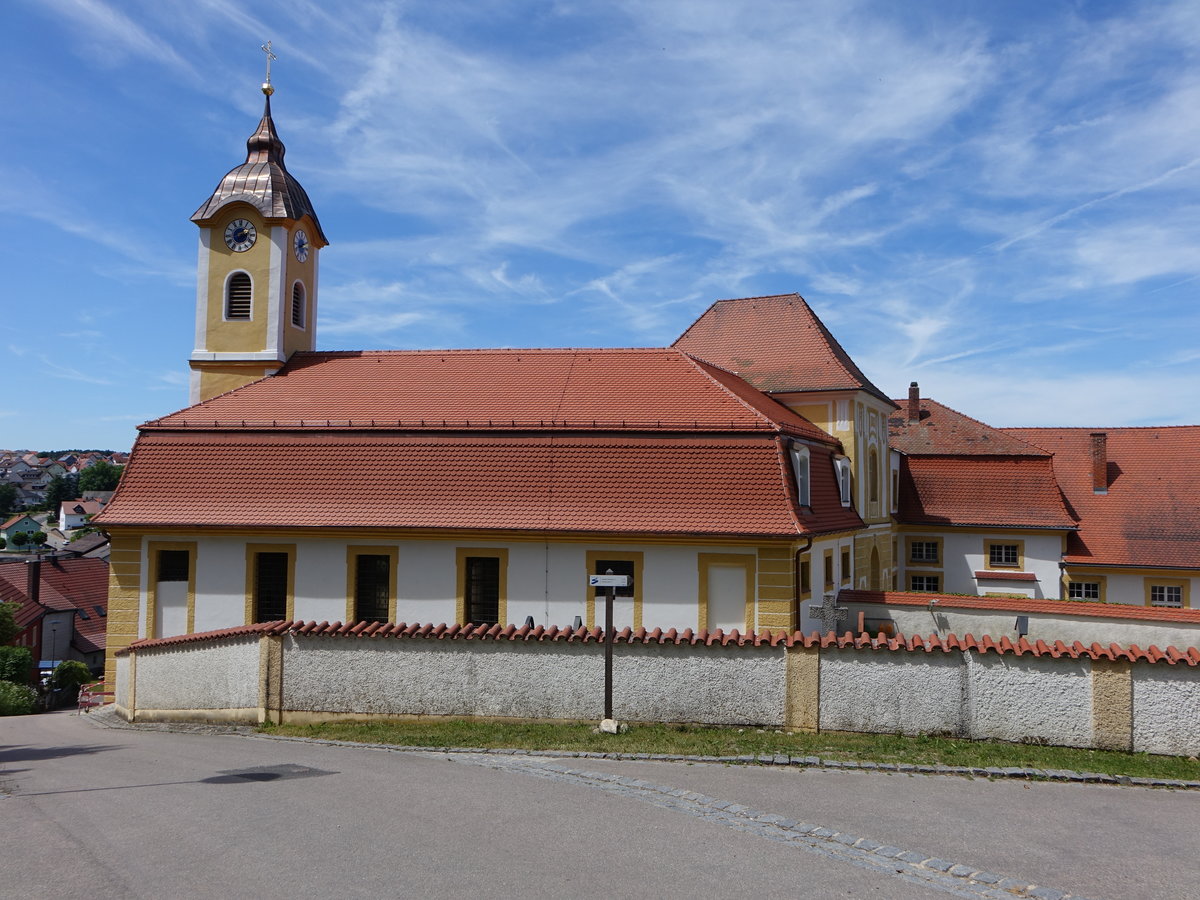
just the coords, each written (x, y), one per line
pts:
(121, 689)
(220, 583)
(1011, 698)
(515, 679)
(887, 693)
(544, 581)
(711, 685)
(441, 678)
(170, 604)
(1166, 709)
(1042, 626)
(964, 556)
(808, 621)
(204, 675)
(1131, 589)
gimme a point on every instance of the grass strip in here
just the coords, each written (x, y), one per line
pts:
(699, 740)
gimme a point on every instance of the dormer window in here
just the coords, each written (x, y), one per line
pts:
(238, 294)
(842, 466)
(801, 470)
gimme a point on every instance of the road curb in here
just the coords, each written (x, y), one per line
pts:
(107, 718)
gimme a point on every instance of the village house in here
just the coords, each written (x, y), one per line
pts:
(62, 608)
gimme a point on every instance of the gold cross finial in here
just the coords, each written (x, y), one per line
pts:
(267, 88)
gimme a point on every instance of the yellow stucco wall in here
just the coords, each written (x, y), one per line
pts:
(124, 591)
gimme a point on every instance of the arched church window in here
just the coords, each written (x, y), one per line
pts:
(298, 304)
(873, 474)
(238, 293)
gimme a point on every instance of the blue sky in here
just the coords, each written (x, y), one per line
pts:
(1001, 201)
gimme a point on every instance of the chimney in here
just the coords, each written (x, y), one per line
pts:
(33, 583)
(1099, 462)
(914, 403)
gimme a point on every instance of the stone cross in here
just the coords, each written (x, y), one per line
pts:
(828, 612)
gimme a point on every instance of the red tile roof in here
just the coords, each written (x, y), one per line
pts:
(775, 344)
(608, 389)
(946, 643)
(66, 584)
(942, 431)
(1150, 516)
(976, 490)
(715, 484)
(1025, 605)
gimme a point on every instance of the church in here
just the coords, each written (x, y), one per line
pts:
(736, 477)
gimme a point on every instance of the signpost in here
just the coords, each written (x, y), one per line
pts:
(610, 583)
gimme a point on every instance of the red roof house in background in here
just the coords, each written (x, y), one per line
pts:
(62, 608)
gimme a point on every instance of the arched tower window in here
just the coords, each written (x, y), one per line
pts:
(298, 304)
(238, 293)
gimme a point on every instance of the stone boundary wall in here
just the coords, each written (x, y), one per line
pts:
(1115, 698)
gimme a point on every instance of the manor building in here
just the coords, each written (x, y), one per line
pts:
(737, 476)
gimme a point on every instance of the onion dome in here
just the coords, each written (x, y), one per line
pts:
(262, 181)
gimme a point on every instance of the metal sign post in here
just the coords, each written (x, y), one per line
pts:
(610, 583)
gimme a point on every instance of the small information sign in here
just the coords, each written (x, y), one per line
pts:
(608, 581)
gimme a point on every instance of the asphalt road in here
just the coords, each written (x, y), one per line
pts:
(92, 812)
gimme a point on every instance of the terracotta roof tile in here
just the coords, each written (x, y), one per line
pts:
(1150, 516)
(978, 490)
(66, 584)
(949, 643)
(679, 484)
(1025, 605)
(610, 389)
(942, 431)
(775, 344)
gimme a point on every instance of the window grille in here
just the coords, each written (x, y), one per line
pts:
(270, 586)
(372, 578)
(482, 586)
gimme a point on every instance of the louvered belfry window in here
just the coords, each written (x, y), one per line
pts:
(298, 305)
(270, 586)
(237, 296)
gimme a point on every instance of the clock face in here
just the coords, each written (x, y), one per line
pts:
(300, 245)
(240, 235)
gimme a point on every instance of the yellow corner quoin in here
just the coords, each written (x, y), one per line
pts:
(124, 597)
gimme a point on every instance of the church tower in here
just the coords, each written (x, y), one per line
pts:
(256, 284)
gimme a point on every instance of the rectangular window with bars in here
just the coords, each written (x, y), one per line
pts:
(1083, 590)
(372, 581)
(270, 586)
(846, 572)
(481, 585)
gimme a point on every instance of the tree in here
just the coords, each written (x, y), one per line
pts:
(20, 539)
(70, 674)
(61, 487)
(8, 624)
(100, 476)
(37, 538)
(16, 664)
(8, 498)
